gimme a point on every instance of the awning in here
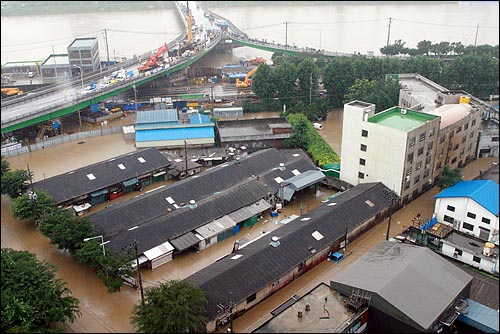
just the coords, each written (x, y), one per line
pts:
(249, 211)
(142, 259)
(184, 242)
(174, 172)
(130, 182)
(159, 173)
(158, 251)
(83, 207)
(99, 193)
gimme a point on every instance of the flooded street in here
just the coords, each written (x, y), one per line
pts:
(105, 312)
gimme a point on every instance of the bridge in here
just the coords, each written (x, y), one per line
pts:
(58, 100)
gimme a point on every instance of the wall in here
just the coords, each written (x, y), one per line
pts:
(489, 265)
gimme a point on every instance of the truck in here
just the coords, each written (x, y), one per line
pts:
(155, 60)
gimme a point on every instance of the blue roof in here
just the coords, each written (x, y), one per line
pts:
(481, 317)
(484, 192)
(156, 116)
(175, 133)
(199, 119)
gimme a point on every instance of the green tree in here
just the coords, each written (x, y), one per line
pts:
(64, 229)
(338, 77)
(14, 183)
(285, 75)
(383, 93)
(424, 47)
(449, 177)
(299, 137)
(25, 208)
(394, 49)
(33, 299)
(5, 167)
(263, 84)
(172, 307)
(307, 73)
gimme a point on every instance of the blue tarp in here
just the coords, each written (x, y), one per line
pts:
(479, 316)
(130, 182)
(429, 224)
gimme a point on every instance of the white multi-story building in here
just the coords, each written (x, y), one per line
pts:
(395, 147)
(471, 207)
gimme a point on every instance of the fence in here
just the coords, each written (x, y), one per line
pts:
(62, 139)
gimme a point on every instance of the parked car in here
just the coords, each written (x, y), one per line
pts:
(129, 280)
(31, 74)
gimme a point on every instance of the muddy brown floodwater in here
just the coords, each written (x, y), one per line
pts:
(103, 312)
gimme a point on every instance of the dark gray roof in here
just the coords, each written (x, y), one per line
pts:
(260, 263)
(219, 191)
(399, 272)
(74, 184)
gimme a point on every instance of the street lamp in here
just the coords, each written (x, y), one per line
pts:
(102, 242)
(81, 74)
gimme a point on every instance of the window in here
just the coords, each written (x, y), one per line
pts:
(456, 147)
(428, 160)
(471, 134)
(426, 173)
(448, 219)
(494, 139)
(364, 133)
(422, 137)
(407, 185)
(441, 140)
(476, 259)
(451, 135)
(438, 166)
(468, 226)
(471, 215)
(453, 160)
(412, 142)
(251, 298)
(363, 147)
(420, 151)
(485, 220)
(431, 132)
(458, 251)
(466, 126)
(429, 146)
(361, 175)
(459, 129)
(410, 158)
(417, 179)
(469, 147)
(473, 122)
(362, 161)
(464, 138)
(450, 208)
(408, 171)
(419, 165)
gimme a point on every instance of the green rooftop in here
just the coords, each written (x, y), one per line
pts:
(405, 121)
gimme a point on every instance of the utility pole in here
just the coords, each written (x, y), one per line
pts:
(33, 196)
(389, 31)
(310, 87)
(139, 272)
(107, 47)
(186, 156)
(286, 34)
(475, 40)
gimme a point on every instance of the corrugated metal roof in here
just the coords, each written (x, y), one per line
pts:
(157, 116)
(249, 211)
(481, 317)
(160, 250)
(398, 272)
(484, 192)
(185, 241)
(199, 119)
(174, 133)
(305, 179)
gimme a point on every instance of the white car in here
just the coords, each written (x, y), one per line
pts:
(88, 90)
(104, 85)
(31, 74)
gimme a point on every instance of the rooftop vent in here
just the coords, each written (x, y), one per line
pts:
(275, 242)
(192, 204)
(282, 166)
(403, 111)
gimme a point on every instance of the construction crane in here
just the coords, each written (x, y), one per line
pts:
(189, 20)
(155, 59)
(247, 81)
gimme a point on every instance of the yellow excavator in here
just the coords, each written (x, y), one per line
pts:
(6, 92)
(247, 81)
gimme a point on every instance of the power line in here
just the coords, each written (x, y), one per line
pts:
(52, 40)
(137, 32)
(443, 25)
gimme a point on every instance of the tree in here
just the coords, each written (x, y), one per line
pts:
(263, 83)
(14, 183)
(285, 75)
(65, 229)
(33, 299)
(394, 49)
(172, 307)
(307, 73)
(383, 93)
(25, 208)
(5, 167)
(424, 47)
(299, 137)
(449, 177)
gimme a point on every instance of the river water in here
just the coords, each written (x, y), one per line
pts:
(343, 27)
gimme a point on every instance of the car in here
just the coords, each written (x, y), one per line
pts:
(104, 85)
(31, 74)
(88, 90)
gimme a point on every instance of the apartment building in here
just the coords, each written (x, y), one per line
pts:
(396, 147)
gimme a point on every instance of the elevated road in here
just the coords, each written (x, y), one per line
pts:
(62, 99)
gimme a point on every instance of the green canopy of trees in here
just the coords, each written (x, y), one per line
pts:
(383, 93)
(14, 183)
(33, 299)
(449, 177)
(172, 307)
(25, 208)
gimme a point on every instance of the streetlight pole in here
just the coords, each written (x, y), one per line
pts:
(81, 74)
(33, 196)
(102, 242)
(135, 98)
(139, 273)
(393, 199)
